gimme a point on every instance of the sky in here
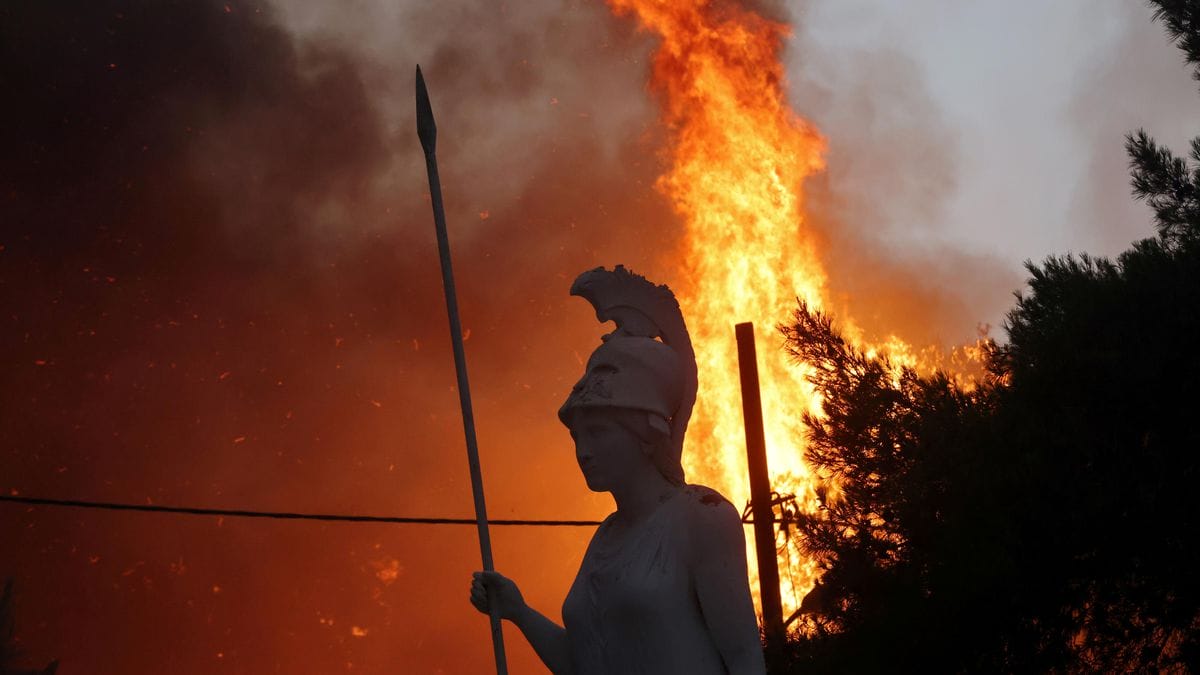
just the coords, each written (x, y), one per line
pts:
(220, 287)
(1030, 102)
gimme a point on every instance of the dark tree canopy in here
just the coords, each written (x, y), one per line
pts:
(1043, 519)
(900, 531)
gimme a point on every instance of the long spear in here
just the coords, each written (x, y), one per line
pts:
(427, 132)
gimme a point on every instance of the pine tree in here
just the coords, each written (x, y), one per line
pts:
(1168, 183)
(899, 455)
(1043, 520)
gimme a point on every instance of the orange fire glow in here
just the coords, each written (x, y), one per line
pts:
(739, 157)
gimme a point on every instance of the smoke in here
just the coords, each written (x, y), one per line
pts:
(879, 208)
(894, 166)
(221, 288)
(1140, 82)
(512, 83)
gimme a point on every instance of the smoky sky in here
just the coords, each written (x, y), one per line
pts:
(966, 140)
(893, 164)
(220, 288)
(1140, 82)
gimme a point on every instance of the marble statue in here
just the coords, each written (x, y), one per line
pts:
(662, 588)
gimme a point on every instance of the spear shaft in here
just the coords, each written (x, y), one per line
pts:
(427, 132)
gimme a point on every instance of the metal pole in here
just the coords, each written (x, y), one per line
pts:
(760, 489)
(427, 131)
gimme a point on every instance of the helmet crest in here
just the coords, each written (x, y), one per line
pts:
(646, 363)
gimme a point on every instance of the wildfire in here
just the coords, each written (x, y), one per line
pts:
(739, 156)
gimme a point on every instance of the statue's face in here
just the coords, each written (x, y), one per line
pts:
(607, 452)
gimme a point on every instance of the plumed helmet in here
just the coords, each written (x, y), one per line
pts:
(638, 373)
(646, 363)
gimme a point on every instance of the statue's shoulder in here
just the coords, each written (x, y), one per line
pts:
(708, 505)
(607, 522)
(704, 495)
(713, 524)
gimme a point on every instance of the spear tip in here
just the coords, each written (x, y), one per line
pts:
(426, 128)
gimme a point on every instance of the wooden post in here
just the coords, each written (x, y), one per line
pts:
(760, 489)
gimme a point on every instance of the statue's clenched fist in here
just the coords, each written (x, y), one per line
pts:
(507, 596)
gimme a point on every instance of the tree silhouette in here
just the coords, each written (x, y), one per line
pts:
(903, 512)
(1044, 519)
(1171, 184)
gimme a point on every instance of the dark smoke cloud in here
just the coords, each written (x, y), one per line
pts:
(511, 83)
(220, 288)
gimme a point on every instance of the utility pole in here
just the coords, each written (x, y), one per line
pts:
(760, 490)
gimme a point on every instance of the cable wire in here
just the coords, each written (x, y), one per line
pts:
(244, 513)
(285, 515)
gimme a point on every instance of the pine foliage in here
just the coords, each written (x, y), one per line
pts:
(1045, 519)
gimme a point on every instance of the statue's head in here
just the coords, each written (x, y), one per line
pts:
(643, 375)
(611, 444)
(636, 383)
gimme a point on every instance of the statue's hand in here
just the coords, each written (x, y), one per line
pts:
(505, 592)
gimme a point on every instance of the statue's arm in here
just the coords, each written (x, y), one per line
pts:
(547, 638)
(722, 586)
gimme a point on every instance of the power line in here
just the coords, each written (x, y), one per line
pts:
(243, 513)
(285, 515)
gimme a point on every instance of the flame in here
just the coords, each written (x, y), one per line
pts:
(739, 157)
